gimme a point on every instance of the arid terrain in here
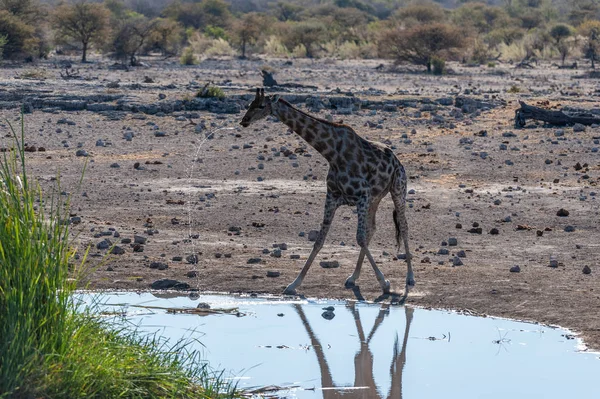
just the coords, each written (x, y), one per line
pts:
(186, 193)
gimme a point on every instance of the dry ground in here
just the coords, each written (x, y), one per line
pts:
(189, 192)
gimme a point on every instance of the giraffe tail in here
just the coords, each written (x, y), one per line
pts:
(398, 232)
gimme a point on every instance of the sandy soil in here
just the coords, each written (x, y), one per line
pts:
(233, 197)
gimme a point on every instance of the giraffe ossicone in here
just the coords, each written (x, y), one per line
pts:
(361, 173)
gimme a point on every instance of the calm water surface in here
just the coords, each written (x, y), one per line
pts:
(362, 350)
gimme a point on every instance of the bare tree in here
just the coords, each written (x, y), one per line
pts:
(247, 30)
(84, 22)
(130, 36)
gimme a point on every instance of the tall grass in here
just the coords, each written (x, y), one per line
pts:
(49, 349)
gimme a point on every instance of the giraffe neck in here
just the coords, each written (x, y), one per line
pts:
(320, 134)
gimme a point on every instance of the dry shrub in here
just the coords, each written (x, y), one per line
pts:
(209, 47)
(299, 51)
(275, 48)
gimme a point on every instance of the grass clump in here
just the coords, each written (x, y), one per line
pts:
(50, 349)
(209, 91)
(188, 57)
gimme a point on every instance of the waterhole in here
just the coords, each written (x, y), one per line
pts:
(329, 349)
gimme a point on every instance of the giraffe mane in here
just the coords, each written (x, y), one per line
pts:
(325, 121)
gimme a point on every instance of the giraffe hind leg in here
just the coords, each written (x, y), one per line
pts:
(399, 198)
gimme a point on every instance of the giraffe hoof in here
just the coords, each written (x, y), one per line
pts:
(289, 291)
(410, 282)
(350, 283)
(386, 287)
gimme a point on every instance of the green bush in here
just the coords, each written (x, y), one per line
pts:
(188, 57)
(3, 41)
(439, 65)
(211, 92)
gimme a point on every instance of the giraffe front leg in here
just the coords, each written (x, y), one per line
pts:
(366, 212)
(371, 227)
(331, 206)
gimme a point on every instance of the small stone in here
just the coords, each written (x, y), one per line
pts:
(313, 235)
(110, 269)
(330, 264)
(494, 231)
(192, 274)
(515, 269)
(272, 273)
(456, 261)
(104, 244)
(578, 127)
(569, 229)
(191, 259)
(276, 253)
(81, 153)
(139, 239)
(562, 212)
(328, 315)
(587, 270)
(443, 251)
(295, 256)
(158, 265)
(539, 233)
(461, 254)
(165, 284)
(452, 241)
(458, 226)
(203, 305)
(117, 250)
(254, 261)
(476, 230)
(553, 262)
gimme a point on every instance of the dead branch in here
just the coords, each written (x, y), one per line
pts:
(557, 118)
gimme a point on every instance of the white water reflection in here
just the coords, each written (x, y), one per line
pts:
(372, 350)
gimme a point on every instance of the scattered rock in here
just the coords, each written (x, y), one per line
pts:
(333, 264)
(158, 265)
(104, 244)
(587, 270)
(166, 284)
(494, 231)
(452, 241)
(515, 269)
(562, 212)
(254, 261)
(117, 250)
(328, 315)
(272, 273)
(192, 259)
(456, 261)
(192, 274)
(578, 127)
(203, 305)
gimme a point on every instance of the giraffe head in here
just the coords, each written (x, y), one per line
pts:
(259, 108)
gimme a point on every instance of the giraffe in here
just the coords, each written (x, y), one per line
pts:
(361, 173)
(364, 378)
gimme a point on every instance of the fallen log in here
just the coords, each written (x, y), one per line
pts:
(557, 118)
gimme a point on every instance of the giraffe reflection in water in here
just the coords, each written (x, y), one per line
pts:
(364, 381)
